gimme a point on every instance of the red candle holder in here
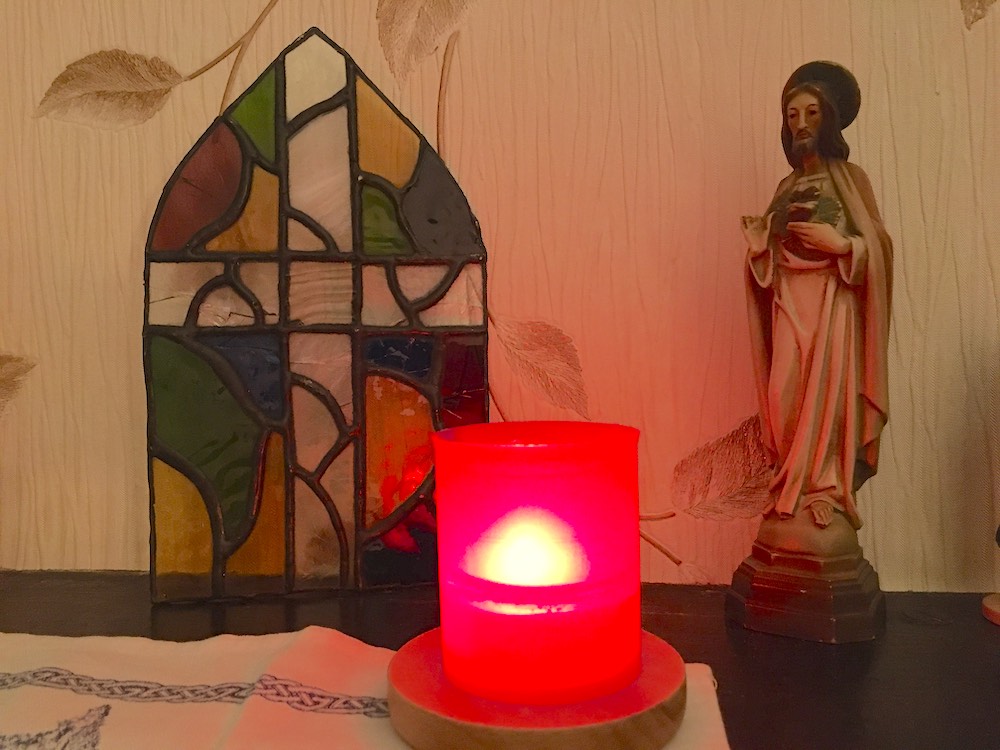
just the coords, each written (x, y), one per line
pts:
(538, 544)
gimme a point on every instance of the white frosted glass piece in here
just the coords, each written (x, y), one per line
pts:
(378, 306)
(314, 71)
(338, 481)
(317, 551)
(417, 280)
(262, 280)
(314, 427)
(319, 174)
(301, 237)
(320, 292)
(461, 305)
(325, 358)
(224, 307)
(172, 286)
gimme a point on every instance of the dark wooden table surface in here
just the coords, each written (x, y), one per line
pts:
(932, 681)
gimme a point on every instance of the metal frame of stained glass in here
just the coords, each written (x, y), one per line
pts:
(315, 307)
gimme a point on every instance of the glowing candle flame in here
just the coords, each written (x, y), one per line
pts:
(528, 547)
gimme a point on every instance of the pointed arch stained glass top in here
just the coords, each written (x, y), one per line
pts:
(315, 290)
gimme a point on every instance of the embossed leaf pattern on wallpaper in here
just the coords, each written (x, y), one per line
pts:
(727, 478)
(975, 10)
(410, 30)
(546, 358)
(110, 89)
(114, 89)
(12, 372)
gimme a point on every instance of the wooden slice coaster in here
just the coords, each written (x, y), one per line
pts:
(991, 608)
(430, 713)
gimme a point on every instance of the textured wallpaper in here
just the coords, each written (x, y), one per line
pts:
(608, 150)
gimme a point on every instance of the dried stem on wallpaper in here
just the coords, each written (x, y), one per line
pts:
(115, 89)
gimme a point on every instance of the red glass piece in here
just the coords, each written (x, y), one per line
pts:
(463, 384)
(206, 186)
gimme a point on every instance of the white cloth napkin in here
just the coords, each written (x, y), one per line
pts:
(316, 688)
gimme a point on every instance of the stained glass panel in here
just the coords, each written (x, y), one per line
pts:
(294, 369)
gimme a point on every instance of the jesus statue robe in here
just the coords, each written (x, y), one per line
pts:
(819, 327)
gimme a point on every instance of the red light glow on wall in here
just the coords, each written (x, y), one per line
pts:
(539, 559)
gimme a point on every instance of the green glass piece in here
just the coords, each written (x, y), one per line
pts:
(197, 417)
(254, 113)
(383, 235)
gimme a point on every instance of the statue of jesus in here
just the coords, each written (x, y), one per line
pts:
(819, 285)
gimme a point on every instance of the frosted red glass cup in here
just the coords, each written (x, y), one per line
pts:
(538, 543)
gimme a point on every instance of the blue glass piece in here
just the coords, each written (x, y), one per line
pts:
(410, 355)
(256, 359)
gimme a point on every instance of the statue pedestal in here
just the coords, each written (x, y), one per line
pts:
(809, 583)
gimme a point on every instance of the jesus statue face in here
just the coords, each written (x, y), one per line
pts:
(804, 117)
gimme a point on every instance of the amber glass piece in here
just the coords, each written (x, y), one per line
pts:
(398, 451)
(256, 229)
(387, 146)
(182, 533)
(201, 189)
(262, 555)
(254, 113)
(317, 549)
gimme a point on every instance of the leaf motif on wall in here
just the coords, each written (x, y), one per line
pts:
(546, 358)
(974, 10)
(109, 89)
(12, 372)
(410, 30)
(727, 478)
